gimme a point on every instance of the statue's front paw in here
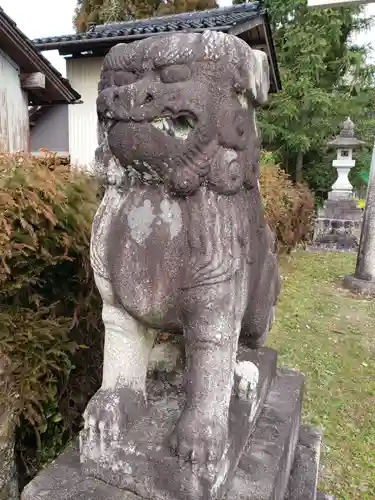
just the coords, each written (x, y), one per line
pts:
(197, 439)
(102, 419)
(108, 415)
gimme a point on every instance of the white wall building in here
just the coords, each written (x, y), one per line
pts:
(84, 75)
(26, 78)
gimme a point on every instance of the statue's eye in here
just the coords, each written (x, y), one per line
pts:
(124, 78)
(176, 73)
(105, 81)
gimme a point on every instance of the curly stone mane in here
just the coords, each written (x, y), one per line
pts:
(125, 63)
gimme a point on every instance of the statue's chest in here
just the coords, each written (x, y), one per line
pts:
(147, 231)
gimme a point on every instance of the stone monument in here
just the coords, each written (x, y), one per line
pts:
(8, 472)
(338, 225)
(180, 245)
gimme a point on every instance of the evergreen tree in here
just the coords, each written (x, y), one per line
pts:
(315, 57)
(107, 11)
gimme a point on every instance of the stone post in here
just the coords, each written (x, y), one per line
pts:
(363, 280)
(8, 473)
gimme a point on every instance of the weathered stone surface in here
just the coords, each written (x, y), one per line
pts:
(66, 479)
(8, 473)
(166, 357)
(140, 461)
(303, 481)
(338, 225)
(361, 287)
(262, 474)
(323, 496)
(179, 244)
(341, 210)
(265, 466)
(63, 480)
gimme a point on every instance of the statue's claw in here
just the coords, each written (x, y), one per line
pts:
(197, 439)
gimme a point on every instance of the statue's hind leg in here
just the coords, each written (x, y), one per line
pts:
(260, 312)
(212, 320)
(122, 396)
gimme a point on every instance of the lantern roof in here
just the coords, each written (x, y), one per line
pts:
(346, 138)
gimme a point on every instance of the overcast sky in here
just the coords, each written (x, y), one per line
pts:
(41, 18)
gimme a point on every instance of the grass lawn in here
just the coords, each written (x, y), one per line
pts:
(329, 335)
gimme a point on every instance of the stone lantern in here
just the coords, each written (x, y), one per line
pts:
(345, 144)
(339, 221)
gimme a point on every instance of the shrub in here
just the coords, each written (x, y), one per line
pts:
(289, 208)
(49, 306)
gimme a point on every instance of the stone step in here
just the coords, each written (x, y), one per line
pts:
(8, 473)
(303, 480)
(343, 209)
(265, 466)
(140, 468)
(66, 479)
(63, 480)
(280, 462)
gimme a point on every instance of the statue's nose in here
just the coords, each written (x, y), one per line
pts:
(113, 103)
(119, 102)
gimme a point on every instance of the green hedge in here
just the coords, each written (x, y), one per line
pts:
(49, 306)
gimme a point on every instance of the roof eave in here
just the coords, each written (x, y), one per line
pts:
(337, 143)
(262, 20)
(38, 61)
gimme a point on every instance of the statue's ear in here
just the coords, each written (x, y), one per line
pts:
(258, 76)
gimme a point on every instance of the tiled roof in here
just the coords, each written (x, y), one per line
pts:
(219, 19)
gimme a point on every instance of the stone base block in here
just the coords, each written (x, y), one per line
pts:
(8, 473)
(361, 287)
(141, 461)
(263, 472)
(337, 234)
(341, 209)
(64, 480)
(265, 466)
(338, 225)
(303, 481)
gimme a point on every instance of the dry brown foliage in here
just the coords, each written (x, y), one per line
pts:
(289, 207)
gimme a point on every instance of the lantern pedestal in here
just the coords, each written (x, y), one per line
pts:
(338, 225)
(342, 189)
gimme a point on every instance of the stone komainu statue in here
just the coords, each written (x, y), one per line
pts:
(179, 242)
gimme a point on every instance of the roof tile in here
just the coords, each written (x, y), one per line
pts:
(213, 18)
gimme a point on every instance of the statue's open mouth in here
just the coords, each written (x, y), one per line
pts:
(178, 126)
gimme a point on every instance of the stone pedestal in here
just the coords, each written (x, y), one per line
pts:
(342, 187)
(269, 456)
(8, 473)
(338, 225)
(359, 286)
(179, 244)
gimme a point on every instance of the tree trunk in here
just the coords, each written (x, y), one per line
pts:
(299, 166)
